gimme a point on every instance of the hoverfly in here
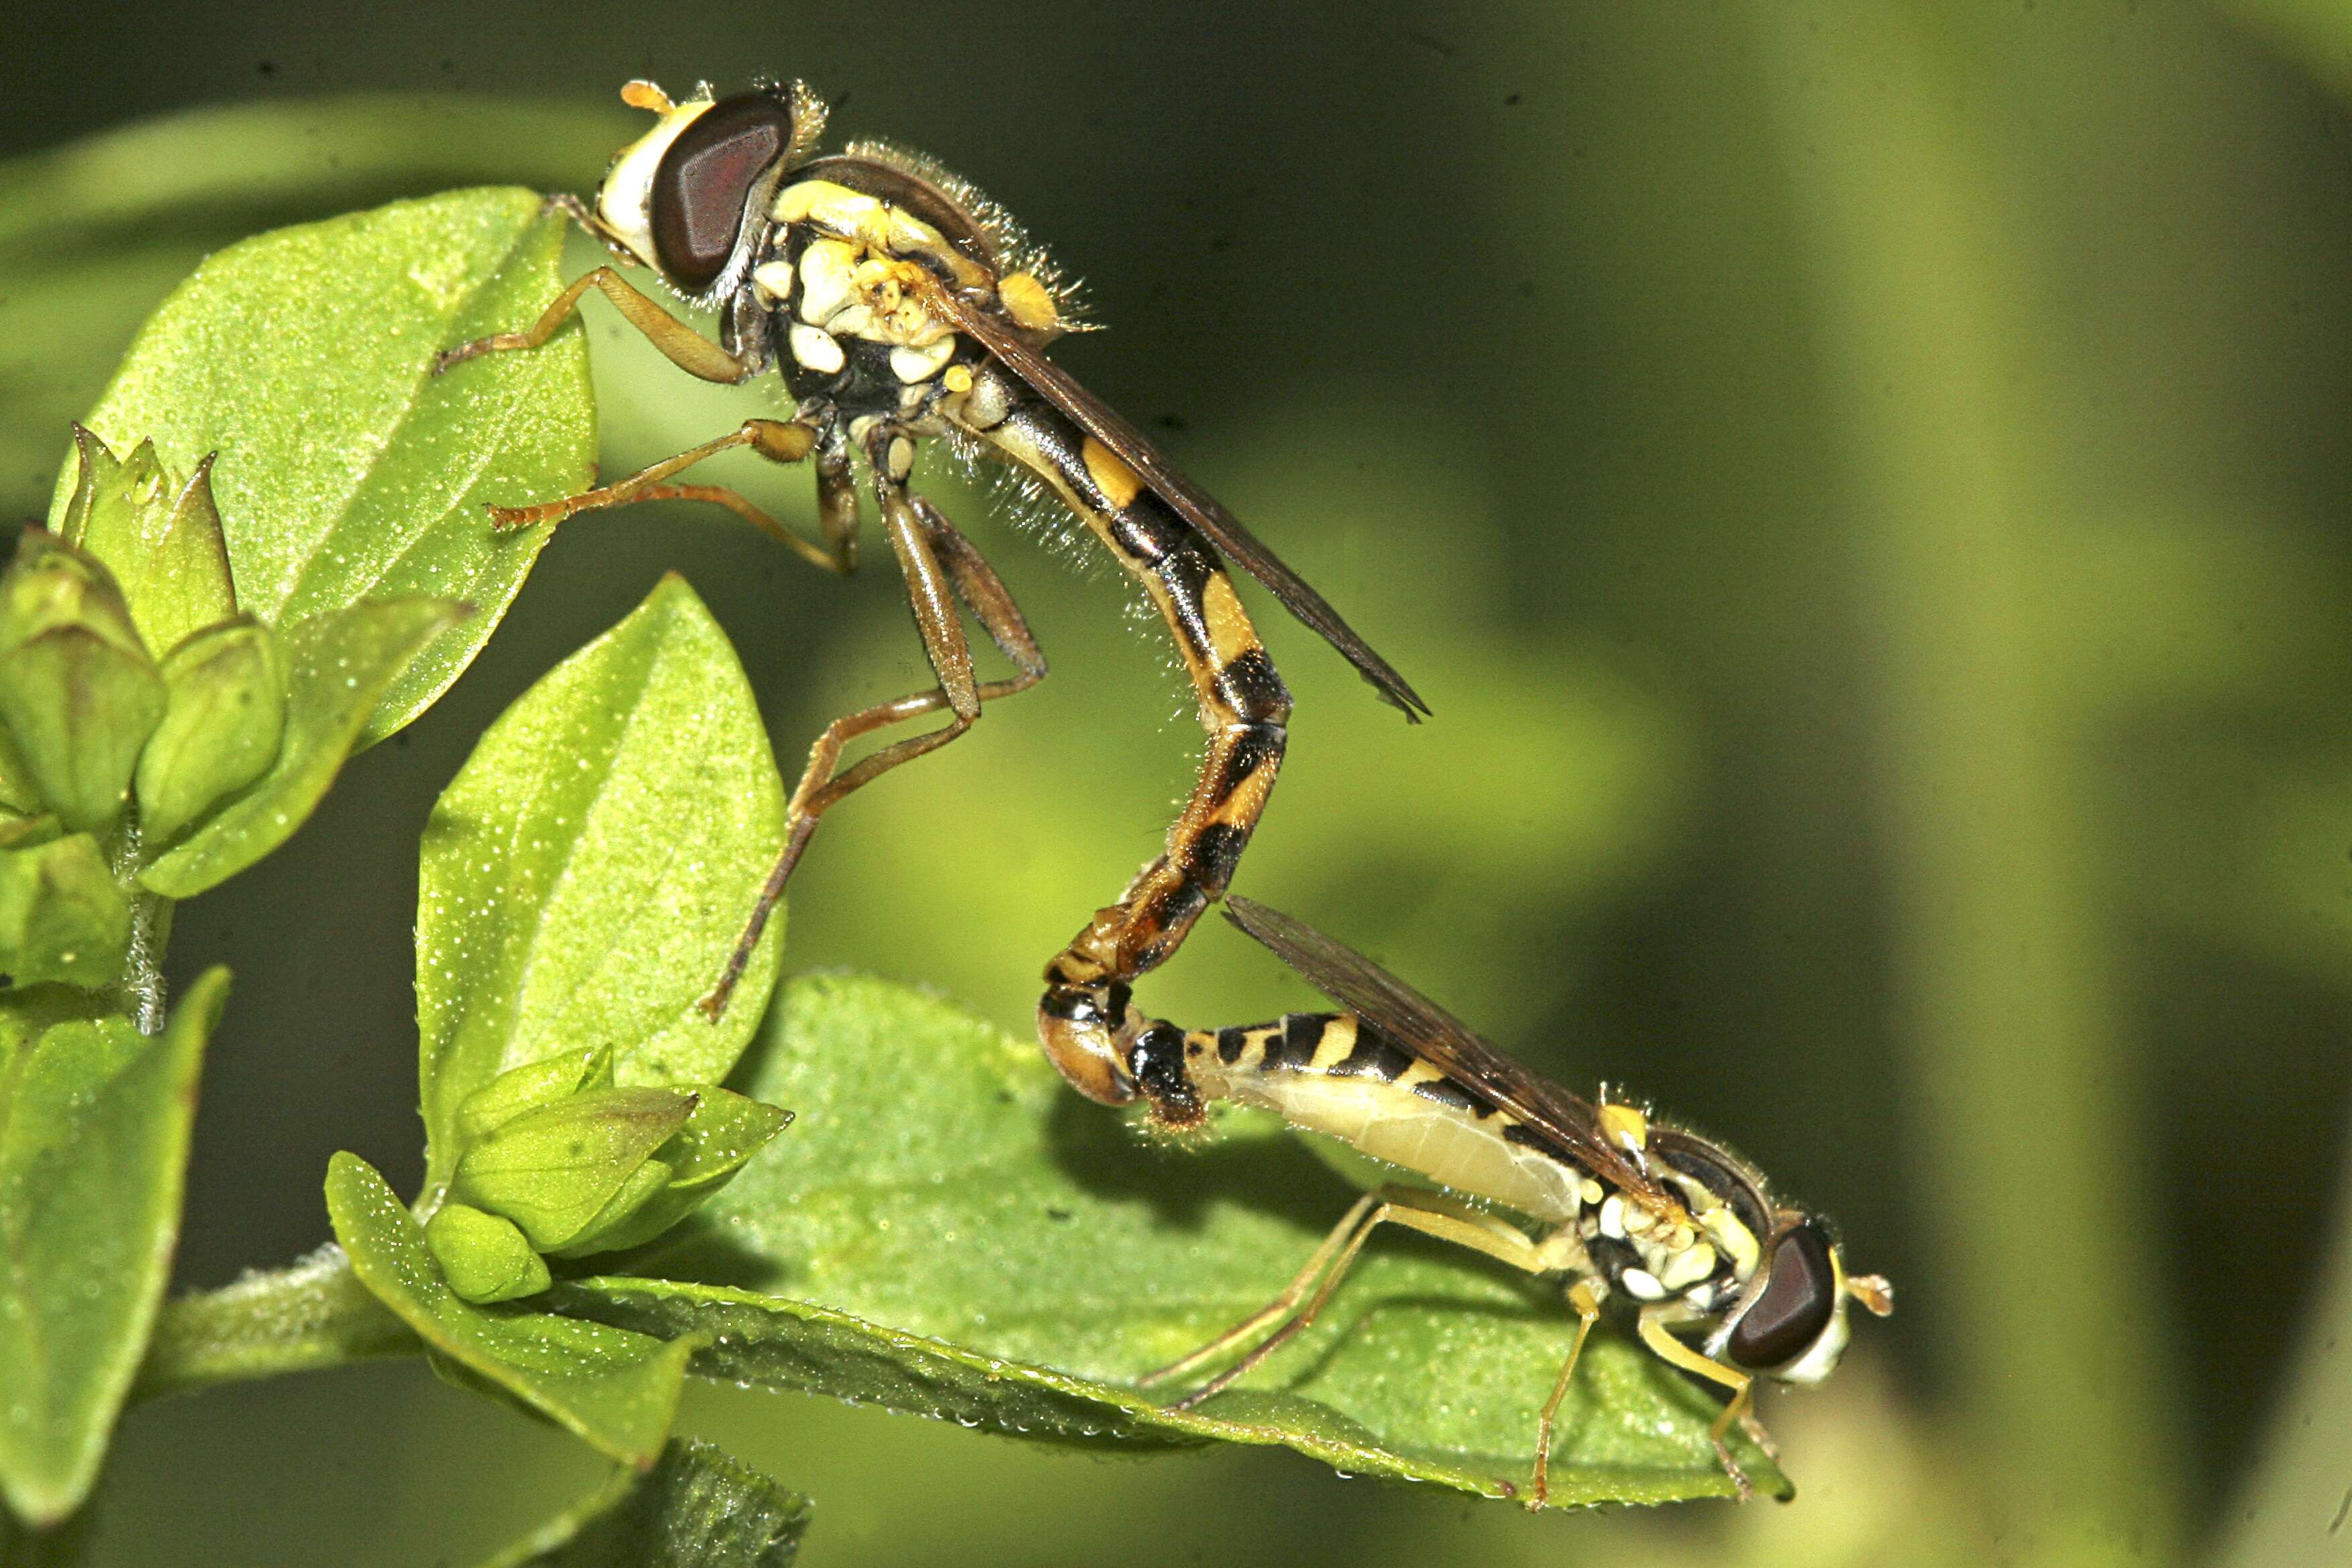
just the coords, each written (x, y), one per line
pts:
(898, 303)
(1626, 1209)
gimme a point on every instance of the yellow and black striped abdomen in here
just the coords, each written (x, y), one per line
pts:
(1333, 1073)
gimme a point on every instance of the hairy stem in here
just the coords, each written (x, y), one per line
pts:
(141, 984)
(314, 1313)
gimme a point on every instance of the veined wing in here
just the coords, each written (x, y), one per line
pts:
(1436, 1035)
(1197, 507)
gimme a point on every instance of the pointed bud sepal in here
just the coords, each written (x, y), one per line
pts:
(78, 694)
(619, 1215)
(554, 1170)
(485, 1259)
(162, 538)
(725, 1130)
(530, 1086)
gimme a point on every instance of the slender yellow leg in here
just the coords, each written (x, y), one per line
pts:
(1669, 1349)
(1416, 1208)
(1588, 1310)
(1281, 1306)
(679, 343)
(1755, 1429)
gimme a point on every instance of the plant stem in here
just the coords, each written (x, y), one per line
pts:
(150, 927)
(313, 1314)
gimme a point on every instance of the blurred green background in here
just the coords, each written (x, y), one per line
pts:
(1865, 490)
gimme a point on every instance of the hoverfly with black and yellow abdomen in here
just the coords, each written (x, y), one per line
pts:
(898, 304)
(1626, 1210)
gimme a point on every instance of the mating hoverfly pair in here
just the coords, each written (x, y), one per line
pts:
(900, 305)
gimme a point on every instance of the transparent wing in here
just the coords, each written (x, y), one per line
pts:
(1443, 1041)
(1196, 506)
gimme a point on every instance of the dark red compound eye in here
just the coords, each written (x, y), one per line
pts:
(1800, 1294)
(709, 179)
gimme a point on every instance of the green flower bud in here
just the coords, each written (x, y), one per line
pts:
(530, 1086)
(50, 584)
(483, 1258)
(223, 715)
(553, 1170)
(63, 917)
(725, 1130)
(645, 1184)
(78, 695)
(161, 539)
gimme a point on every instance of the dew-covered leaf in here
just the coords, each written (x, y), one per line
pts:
(348, 470)
(699, 1508)
(95, 233)
(338, 668)
(615, 1390)
(586, 874)
(94, 1124)
(947, 1229)
(63, 917)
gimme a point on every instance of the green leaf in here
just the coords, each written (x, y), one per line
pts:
(700, 1508)
(95, 233)
(94, 1123)
(588, 871)
(615, 1390)
(224, 720)
(949, 1230)
(338, 667)
(347, 470)
(63, 917)
(161, 538)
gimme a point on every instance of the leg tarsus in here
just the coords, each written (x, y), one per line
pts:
(1588, 1312)
(1281, 1305)
(1416, 1208)
(1754, 1426)
(714, 1003)
(1672, 1351)
(779, 441)
(679, 343)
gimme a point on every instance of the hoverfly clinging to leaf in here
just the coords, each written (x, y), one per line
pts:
(1720, 1280)
(898, 304)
